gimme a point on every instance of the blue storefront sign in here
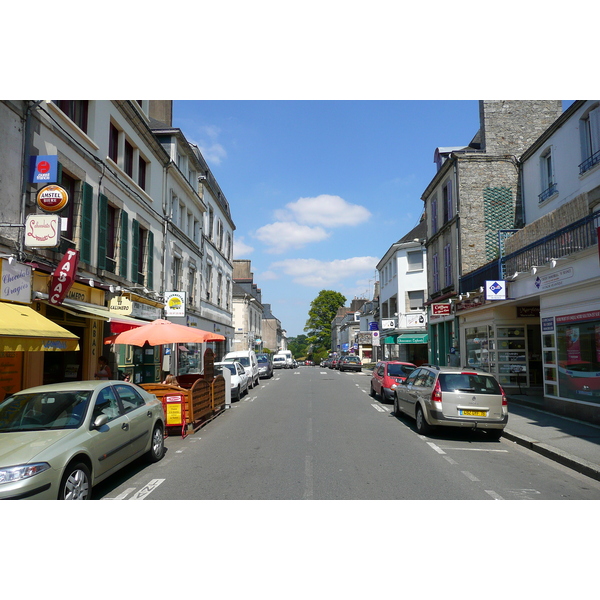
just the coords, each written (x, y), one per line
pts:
(44, 169)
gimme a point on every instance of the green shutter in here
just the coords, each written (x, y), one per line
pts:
(135, 250)
(124, 244)
(150, 269)
(102, 218)
(87, 200)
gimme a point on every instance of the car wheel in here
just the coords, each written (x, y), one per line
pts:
(422, 426)
(494, 434)
(157, 449)
(396, 407)
(372, 392)
(76, 483)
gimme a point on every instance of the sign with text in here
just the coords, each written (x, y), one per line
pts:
(175, 304)
(52, 198)
(63, 277)
(16, 282)
(44, 169)
(440, 309)
(495, 290)
(42, 231)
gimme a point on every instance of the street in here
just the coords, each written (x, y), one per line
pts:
(315, 434)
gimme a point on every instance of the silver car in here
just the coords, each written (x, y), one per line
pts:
(58, 441)
(454, 397)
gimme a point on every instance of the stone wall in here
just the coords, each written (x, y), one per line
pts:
(512, 126)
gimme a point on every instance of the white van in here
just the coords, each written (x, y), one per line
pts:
(249, 362)
(279, 362)
(289, 359)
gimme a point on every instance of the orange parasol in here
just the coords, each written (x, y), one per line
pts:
(161, 331)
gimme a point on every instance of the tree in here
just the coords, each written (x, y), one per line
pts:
(298, 346)
(322, 311)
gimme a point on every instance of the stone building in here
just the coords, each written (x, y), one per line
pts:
(473, 196)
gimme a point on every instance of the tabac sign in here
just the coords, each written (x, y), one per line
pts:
(63, 278)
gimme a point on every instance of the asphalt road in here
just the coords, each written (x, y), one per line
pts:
(314, 433)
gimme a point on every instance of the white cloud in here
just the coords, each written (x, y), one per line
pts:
(213, 152)
(268, 276)
(326, 210)
(317, 273)
(282, 236)
(241, 249)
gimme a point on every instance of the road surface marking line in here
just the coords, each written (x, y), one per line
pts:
(147, 489)
(308, 472)
(450, 460)
(474, 449)
(469, 476)
(493, 494)
(436, 448)
(122, 495)
(376, 407)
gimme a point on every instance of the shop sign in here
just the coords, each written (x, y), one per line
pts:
(495, 290)
(63, 278)
(388, 324)
(440, 309)
(52, 198)
(42, 231)
(591, 315)
(528, 311)
(16, 282)
(175, 304)
(44, 169)
(548, 324)
(120, 305)
(373, 326)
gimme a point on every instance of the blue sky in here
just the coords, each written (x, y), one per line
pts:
(319, 190)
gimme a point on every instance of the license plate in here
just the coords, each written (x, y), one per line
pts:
(473, 413)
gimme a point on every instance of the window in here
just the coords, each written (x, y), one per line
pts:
(436, 273)
(219, 234)
(142, 255)
(176, 274)
(415, 261)
(76, 110)
(142, 170)
(110, 236)
(447, 198)
(113, 143)
(416, 300)
(547, 171)
(590, 140)
(434, 216)
(130, 398)
(208, 281)
(447, 265)
(192, 286)
(219, 289)
(128, 159)
(211, 223)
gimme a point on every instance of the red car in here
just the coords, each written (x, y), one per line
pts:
(387, 375)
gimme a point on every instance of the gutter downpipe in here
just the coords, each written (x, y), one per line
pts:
(455, 324)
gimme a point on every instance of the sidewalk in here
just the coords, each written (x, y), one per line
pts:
(572, 443)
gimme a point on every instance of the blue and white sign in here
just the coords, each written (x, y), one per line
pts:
(44, 169)
(495, 290)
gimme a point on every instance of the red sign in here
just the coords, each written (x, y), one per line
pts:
(63, 277)
(440, 309)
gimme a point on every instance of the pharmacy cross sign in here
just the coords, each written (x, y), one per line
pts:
(495, 290)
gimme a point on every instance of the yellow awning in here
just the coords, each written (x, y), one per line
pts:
(22, 329)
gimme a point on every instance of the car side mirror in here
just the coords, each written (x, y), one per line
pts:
(100, 421)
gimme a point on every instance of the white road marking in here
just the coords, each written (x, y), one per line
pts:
(377, 407)
(474, 449)
(450, 460)
(122, 495)
(493, 494)
(147, 489)
(436, 448)
(469, 476)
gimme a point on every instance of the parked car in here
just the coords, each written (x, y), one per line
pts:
(387, 374)
(453, 397)
(265, 366)
(249, 362)
(334, 362)
(239, 379)
(279, 362)
(350, 363)
(58, 441)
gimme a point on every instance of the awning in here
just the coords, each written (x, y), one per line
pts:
(119, 323)
(390, 339)
(22, 329)
(413, 338)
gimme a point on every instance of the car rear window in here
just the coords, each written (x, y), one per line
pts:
(469, 382)
(399, 370)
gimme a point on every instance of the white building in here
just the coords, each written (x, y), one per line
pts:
(403, 290)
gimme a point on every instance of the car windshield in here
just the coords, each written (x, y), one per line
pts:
(469, 382)
(48, 410)
(241, 359)
(263, 359)
(399, 370)
(229, 366)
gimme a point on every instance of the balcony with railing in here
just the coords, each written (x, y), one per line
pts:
(547, 193)
(587, 164)
(575, 237)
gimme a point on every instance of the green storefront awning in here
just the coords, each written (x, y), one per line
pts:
(408, 338)
(390, 339)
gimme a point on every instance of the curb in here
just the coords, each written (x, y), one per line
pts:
(564, 458)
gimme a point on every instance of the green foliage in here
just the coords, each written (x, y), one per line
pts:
(322, 311)
(298, 346)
